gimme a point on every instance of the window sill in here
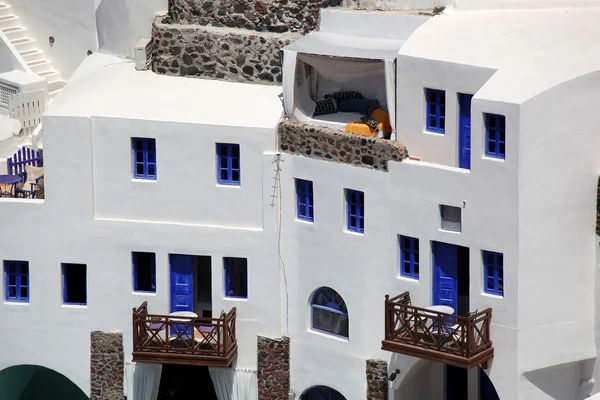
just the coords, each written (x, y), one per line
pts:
(229, 185)
(142, 293)
(305, 221)
(449, 231)
(407, 279)
(230, 298)
(354, 233)
(142, 180)
(493, 296)
(329, 335)
(16, 303)
(433, 133)
(494, 159)
(74, 306)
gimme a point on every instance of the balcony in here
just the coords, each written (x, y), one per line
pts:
(446, 338)
(186, 341)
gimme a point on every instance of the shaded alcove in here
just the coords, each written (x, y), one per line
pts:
(33, 382)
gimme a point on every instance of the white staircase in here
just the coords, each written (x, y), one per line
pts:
(9, 24)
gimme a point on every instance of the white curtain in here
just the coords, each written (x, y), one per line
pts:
(142, 380)
(289, 74)
(390, 91)
(234, 384)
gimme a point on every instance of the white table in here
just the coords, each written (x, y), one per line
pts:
(440, 309)
(185, 316)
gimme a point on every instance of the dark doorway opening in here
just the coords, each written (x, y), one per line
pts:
(183, 382)
(457, 383)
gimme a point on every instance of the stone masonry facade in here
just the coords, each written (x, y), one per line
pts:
(106, 366)
(377, 380)
(332, 145)
(273, 368)
(236, 55)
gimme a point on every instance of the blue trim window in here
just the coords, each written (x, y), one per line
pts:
(144, 272)
(355, 210)
(322, 393)
(493, 273)
(144, 158)
(74, 279)
(228, 164)
(435, 113)
(409, 257)
(236, 277)
(16, 281)
(495, 136)
(304, 194)
(329, 312)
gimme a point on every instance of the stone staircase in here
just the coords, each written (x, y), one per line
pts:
(9, 24)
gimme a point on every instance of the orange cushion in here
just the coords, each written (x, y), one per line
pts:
(382, 117)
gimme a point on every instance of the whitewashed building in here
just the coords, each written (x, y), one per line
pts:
(217, 227)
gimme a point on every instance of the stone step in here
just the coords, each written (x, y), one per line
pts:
(4, 9)
(23, 44)
(16, 32)
(8, 21)
(31, 55)
(39, 66)
(50, 75)
(55, 86)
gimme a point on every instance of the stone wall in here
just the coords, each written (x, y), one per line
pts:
(337, 146)
(106, 366)
(273, 368)
(257, 15)
(218, 53)
(377, 380)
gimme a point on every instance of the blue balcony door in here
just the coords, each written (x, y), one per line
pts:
(445, 275)
(464, 130)
(182, 282)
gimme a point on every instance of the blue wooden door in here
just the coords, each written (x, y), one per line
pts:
(445, 275)
(464, 130)
(182, 282)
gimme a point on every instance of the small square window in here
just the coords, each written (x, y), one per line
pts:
(495, 136)
(409, 257)
(236, 277)
(451, 218)
(16, 281)
(144, 272)
(435, 110)
(493, 273)
(74, 284)
(228, 164)
(304, 203)
(355, 211)
(144, 158)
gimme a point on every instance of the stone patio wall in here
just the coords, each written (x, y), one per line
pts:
(337, 146)
(377, 380)
(106, 366)
(273, 368)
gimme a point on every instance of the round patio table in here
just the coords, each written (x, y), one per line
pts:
(11, 180)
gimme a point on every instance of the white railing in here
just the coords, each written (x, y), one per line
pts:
(28, 108)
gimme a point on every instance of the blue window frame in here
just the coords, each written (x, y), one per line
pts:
(435, 110)
(322, 393)
(329, 312)
(355, 210)
(304, 194)
(228, 164)
(74, 279)
(236, 277)
(144, 158)
(16, 281)
(493, 273)
(495, 136)
(409, 257)
(144, 272)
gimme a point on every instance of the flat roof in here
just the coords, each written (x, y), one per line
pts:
(106, 86)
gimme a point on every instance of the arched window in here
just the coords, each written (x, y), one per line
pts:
(322, 393)
(329, 312)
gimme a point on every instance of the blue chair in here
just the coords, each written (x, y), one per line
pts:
(35, 191)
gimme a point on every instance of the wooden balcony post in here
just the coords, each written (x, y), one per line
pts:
(226, 333)
(135, 329)
(388, 331)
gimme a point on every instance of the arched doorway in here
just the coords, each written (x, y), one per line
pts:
(487, 391)
(322, 393)
(32, 382)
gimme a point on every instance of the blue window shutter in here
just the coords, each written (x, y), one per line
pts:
(228, 164)
(355, 211)
(144, 158)
(16, 281)
(304, 200)
(493, 273)
(409, 257)
(435, 110)
(495, 136)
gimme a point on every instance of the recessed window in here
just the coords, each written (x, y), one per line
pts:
(228, 164)
(16, 280)
(236, 277)
(409, 257)
(493, 273)
(304, 194)
(435, 110)
(144, 158)
(355, 211)
(451, 218)
(74, 284)
(495, 135)
(144, 272)
(329, 312)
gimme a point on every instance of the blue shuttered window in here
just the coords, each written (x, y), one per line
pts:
(16, 280)
(304, 194)
(435, 113)
(228, 164)
(493, 273)
(144, 158)
(144, 272)
(329, 312)
(495, 135)
(355, 205)
(236, 277)
(409, 257)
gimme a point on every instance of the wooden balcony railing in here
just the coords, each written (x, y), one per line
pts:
(179, 340)
(446, 338)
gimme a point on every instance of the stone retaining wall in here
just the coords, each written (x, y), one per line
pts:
(257, 15)
(218, 53)
(337, 146)
(106, 366)
(273, 368)
(377, 380)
